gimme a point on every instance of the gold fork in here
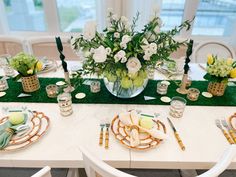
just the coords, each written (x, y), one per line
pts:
(102, 125)
(107, 136)
(217, 121)
(224, 123)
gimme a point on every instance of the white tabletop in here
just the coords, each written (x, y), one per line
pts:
(59, 147)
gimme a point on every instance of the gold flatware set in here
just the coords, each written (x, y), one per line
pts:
(226, 130)
(101, 137)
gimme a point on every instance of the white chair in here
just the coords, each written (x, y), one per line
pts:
(212, 47)
(95, 167)
(11, 45)
(45, 172)
(222, 164)
(46, 46)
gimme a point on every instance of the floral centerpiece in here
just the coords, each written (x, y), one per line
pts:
(27, 66)
(122, 54)
(218, 73)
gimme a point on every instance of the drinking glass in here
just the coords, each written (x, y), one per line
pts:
(193, 94)
(95, 86)
(65, 104)
(3, 84)
(177, 106)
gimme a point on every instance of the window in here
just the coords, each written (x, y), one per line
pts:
(25, 15)
(215, 18)
(172, 13)
(73, 14)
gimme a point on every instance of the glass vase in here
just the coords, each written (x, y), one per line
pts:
(117, 90)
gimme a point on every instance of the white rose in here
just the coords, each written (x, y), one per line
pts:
(133, 65)
(153, 47)
(108, 49)
(100, 54)
(123, 45)
(126, 39)
(123, 60)
(116, 35)
(119, 55)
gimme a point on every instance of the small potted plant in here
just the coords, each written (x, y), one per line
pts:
(27, 66)
(218, 73)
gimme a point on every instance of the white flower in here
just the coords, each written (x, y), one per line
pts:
(153, 47)
(116, 35)
(133, 65)
(100, 54)
(146, 57)
(123, 45)
(126, 39)
(89, 30)
(108, 49)
(124, 19)
(109, 10)
(115, 17)
(123, 60)
(119, 55)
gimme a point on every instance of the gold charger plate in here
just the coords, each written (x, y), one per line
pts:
(232, 121)
(122, 133)
(39, 124)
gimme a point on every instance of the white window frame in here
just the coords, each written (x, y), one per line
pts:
(121, 7)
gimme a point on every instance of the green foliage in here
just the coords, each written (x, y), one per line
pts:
(25, 64)
(149, 46)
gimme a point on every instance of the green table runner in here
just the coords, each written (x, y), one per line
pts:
(104, 97)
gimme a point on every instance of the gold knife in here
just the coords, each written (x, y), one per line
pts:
(180, 142)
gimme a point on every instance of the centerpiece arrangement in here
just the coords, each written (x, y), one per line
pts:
(218, 73)
(122, 55)
(27, 66)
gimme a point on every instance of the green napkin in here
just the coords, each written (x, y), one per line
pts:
(7, 130)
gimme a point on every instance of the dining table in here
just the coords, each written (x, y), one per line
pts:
(59, 147)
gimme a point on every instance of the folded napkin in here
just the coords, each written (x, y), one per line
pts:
(7, 130)
(131, 119)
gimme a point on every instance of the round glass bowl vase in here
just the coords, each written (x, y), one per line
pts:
(115, 89)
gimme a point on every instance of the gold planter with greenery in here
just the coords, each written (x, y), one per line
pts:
(30, 83)
(216, 88)
(218, 73)
(27, 66)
